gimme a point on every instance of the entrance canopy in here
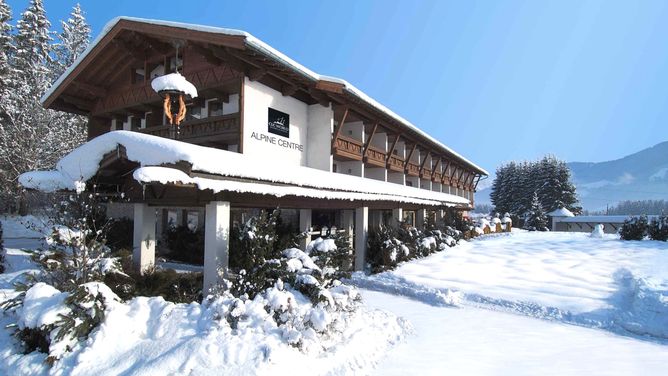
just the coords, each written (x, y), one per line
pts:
(144, 168)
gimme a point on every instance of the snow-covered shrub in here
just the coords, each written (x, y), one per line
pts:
(53, 321)
(634, 228)
(384, 250)
(333, 255)
(657, 229)
(2, 252)
(185, 244)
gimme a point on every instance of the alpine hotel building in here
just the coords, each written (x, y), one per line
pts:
(262, 132)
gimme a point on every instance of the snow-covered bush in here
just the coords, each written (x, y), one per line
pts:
(53, 321)
(657, 229)
(384, 250)
(333, 255)
(634, 228)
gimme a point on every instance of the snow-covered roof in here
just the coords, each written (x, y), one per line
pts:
(561, 212)
(269, 51)
(174, 81)
(73, 170)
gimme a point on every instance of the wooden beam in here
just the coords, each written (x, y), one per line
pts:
(424, 161)
(391, 151)
(475, 187)
(411, 153)
(433, 170)
(256, 74)
(337, 131)
(206, 54)
(368, 142)
(445, 172)
(90, 89)
(288, 90)
(82, 103)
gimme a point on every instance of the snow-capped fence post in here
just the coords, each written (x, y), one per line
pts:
(216, 242)
(361, 235)
(305, 224)
(398, 216)
(143, 246)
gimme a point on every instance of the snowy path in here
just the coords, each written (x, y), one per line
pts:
(473, 341)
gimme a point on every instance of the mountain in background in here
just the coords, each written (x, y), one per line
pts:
(639, 176)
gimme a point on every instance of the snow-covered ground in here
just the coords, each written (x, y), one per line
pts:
(474, 341)
(504, 304)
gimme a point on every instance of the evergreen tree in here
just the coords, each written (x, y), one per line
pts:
(6, 51)
(73, 40)
(31, 137)
(536, 219)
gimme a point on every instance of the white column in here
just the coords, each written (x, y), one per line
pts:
(361, 233)
(440, 214)
(305, 224)
(348, 222)
(143, 245)
(216, 242)
(420, 215)
(398, 215)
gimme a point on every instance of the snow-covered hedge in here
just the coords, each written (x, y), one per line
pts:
(634, 228)
(658, 228)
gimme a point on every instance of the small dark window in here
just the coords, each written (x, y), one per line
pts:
(136, 122)
(409, 183)
(138, 76)
(193, 112)
(215, 108)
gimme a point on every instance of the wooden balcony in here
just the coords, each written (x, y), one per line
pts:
(437, 177)
(201, 130)
(395, 163)
(348, 148)
(412, 169)
(375, 157)
(426, 174)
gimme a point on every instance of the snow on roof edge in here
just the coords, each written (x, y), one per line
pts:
(83, 163)
(267, 49)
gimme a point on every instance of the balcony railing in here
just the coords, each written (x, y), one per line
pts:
(426, 173)
(199, 128)
(412, 169)
(348, 148)
(395, 163)
(375, 156)
(436, 178)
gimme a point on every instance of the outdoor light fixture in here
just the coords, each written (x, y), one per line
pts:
(174, 88)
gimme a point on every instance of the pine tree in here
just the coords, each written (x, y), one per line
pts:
(73, 40)
(31, 137)
(536, 220)
(6, 51)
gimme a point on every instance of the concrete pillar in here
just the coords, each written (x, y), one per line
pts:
(216, 243)
(305, 217)
(143, 244)
(420, 215)
(361, 234)
(348, 223)
(398, 216)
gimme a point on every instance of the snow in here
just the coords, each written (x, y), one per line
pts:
(321, 245)
(598, 231)
(561, 212)
(174, 81)
(601, 218)
(268, 50)
(475, 341)
(150, 151)
(42, 306)
(606, 283)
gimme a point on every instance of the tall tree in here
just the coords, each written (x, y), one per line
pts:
(31, 137)
(6, 51)
(72, 41)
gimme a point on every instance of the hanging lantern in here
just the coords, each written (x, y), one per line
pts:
(174, 88)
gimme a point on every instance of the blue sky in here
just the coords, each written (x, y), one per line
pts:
(494, 80)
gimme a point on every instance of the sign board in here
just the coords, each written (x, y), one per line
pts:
(278, 123)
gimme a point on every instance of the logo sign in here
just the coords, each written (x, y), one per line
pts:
(278, 123)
